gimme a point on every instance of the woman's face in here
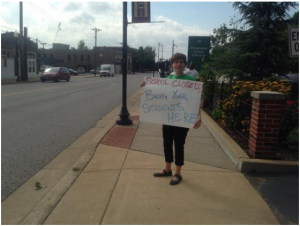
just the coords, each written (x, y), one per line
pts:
(178, 66)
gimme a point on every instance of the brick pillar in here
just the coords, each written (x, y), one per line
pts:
(265, 123)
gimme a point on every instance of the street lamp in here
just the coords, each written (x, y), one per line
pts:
(124, 114)
(16, 35)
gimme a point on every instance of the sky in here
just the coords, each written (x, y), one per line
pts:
(76, 19)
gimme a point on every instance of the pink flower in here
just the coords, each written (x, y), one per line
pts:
(290, 102)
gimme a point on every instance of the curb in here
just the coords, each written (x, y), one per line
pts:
(48, 202)
(240, 159)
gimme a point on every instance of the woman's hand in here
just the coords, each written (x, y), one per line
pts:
(143, 83)
(197, 123)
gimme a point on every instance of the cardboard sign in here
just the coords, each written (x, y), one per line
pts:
(173, 102)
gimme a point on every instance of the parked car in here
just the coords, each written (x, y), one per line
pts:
(73, 72)
(81, 70)
(289, 78)
(97, 71)
(55, 74)
(43, 67)
(107, 70)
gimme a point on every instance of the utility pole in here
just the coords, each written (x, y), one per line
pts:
(21, 42)
(173, 48)
(124, 114)
(43, 43)
(158, 56)
(25, 54)
(162, 51)
(96, 30)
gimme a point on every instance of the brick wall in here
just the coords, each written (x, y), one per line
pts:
(265, 123)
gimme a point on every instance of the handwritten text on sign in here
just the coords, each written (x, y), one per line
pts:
(170, 101)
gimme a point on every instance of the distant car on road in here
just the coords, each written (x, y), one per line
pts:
(73, 72)
(107, 70)
(97, 71)
(55, 74)
(81, 70)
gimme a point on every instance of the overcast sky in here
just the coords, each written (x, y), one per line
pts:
(76, 19)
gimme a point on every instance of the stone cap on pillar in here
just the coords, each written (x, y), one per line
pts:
(267, 95)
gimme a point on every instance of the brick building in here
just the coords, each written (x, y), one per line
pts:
(89, 59)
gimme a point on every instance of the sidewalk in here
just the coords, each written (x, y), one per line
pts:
(115, 183)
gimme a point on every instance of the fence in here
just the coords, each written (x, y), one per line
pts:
(238, 118)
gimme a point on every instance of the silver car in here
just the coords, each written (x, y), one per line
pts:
(81, 70)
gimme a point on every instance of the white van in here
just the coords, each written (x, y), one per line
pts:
(107, 70)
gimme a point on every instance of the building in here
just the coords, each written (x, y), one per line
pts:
(89, 59)
(59, 55)
(60, 46)
(9, 64)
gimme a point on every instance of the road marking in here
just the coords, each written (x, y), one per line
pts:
(76, 93)
(31, 91)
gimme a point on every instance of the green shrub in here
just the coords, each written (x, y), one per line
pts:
(293, 139)
(217, 113)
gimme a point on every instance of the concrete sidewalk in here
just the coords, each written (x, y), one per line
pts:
(115, 183)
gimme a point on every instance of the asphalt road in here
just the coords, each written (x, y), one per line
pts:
(281, 193)
(40, 120)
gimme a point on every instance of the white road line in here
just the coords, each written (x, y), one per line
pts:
(76, 93)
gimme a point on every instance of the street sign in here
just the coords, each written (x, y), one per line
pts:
(140, 12)
(198, 50)
(294, 41)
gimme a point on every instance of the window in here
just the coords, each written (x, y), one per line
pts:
(75, 57)
(39, 55)
(33, 66)
(81, 57)
(29, 66)
(88, 57)
(8, 54)
(69, 57)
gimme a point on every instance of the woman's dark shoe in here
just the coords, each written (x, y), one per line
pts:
(174, 182)
(163, 174)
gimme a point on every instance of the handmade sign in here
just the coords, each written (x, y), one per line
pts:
(170, 101)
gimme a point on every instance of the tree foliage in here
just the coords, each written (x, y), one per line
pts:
(82, 46)
(256, 44)
(143, 58)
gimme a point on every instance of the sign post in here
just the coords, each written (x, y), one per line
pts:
(294, 41)
(198, 50)
(140, 12)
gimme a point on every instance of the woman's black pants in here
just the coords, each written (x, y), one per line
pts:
(178, 134)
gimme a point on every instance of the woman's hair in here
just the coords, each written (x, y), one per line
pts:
(192, 66)
(178, 56)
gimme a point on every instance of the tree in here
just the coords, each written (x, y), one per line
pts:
(82, 46)
(143, 58)
(264, 46)
(224, 58)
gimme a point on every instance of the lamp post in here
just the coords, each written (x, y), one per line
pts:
(16, 35)
(124, 114)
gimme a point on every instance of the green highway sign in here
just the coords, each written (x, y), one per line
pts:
(198, 50)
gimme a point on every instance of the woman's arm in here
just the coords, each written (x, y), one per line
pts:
(198, 120)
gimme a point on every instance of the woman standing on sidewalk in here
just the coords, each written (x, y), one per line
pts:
(174, 133)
